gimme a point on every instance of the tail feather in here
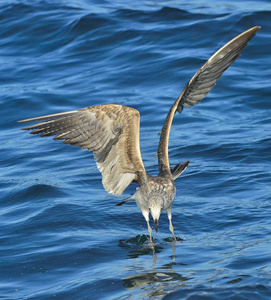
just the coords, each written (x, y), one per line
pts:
(179, 169)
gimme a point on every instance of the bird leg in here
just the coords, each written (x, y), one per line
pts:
(170, 223)
(146, 216)
(150, 231)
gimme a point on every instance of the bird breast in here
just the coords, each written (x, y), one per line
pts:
(157, 191)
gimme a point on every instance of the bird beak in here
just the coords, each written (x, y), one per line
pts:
(156, 225)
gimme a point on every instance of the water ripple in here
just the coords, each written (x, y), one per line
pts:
(62, 235)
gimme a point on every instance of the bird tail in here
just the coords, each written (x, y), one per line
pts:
(179, 169)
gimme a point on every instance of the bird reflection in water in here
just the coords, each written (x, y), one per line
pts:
(156, 280)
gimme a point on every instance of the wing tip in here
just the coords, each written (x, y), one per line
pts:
(179, 169)
(24, 121)
(252, 32)
(256, 28)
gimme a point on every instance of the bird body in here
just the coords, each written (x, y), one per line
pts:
(112, 132)
(154, 196)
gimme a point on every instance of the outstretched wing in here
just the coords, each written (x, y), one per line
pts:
(200, 85)
(111, 131)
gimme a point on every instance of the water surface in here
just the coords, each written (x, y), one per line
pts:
(62, 235)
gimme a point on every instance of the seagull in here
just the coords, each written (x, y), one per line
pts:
(111, 131)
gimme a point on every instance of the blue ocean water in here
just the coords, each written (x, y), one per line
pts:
(62, 237)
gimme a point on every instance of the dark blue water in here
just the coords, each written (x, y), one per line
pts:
(62, 237)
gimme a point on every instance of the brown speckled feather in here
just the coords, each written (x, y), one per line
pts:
(111, 131)
(199, 86)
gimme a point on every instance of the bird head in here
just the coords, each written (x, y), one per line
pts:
(155, 211)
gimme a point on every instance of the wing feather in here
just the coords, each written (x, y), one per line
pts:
(200, 85)
(111, 131)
